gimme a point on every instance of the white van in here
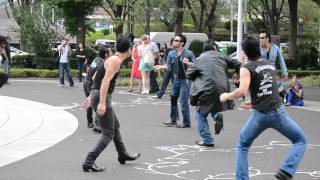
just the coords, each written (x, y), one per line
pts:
(165, 37)
(105, 42)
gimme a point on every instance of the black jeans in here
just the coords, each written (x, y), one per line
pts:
(86, 90)
(153, 79)
(166, 79)
(110, 129)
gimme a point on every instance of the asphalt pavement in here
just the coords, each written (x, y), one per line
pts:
(167, 152)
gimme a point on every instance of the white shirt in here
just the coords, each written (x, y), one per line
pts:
(64, 52)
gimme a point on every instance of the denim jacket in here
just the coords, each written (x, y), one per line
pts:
(274, 55)
(172, 60)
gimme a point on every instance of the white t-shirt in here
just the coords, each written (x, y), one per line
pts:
(64, 51)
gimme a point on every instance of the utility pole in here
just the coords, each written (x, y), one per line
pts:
(240, 27)
(231, 20)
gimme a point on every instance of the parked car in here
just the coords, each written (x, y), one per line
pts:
(17, 52)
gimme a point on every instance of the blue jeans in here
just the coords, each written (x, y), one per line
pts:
(6, 68)
(62, 67)
(203, 127)
(80, 66)
(291, 97)
(281, 122)
(180, 89)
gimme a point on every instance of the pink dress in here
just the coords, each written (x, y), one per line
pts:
(135, 73)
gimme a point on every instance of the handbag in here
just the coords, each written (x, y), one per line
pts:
(148, 58)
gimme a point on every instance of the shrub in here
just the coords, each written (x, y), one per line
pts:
(196, 46)
(23, 61)
(307, 57)
(106, 31)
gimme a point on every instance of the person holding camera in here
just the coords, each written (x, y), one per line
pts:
(64, 51)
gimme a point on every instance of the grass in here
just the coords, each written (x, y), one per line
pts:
(310, 81)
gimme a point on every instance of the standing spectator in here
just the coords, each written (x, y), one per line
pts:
(81, 57)
(179, 59)
(259, 77)
(271, 53)
(154, 87)
(64, 51)
(135, 73)
(295, 96)
(145, 69)
(5, 55)
(168, 74)
(101, 96)
(162, 52)
(209, 76)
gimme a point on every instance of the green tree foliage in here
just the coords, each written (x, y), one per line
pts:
(36, 28)
(266, 14)
(118, 10)
(74, 12)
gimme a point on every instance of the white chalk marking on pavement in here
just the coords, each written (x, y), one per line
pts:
(30, 127)
(176, 164)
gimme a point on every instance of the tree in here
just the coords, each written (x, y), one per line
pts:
(36, 28)
(266, 13)
(74, 13)
(147, 16)
(118, 10)
(293, 7)
(180, 11)
(165, 13)
(206, 16)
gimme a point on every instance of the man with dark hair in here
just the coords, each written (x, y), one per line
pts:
(179, 59)
(259, 77)
(272, 53)
(103, 87)
(209, 76)
(104, 53)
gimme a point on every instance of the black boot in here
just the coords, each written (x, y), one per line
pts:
(127, 157)
(282, 175)
(93, 167)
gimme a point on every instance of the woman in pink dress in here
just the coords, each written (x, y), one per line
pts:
(135, 73)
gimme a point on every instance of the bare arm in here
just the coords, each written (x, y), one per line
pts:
(243, 89)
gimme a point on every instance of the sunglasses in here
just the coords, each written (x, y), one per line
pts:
(176, 40)
(262, 37)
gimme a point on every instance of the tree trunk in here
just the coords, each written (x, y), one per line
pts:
(180, 11)
(81, 31)
(147, 17)
(118, 29)
(210, 22)
(203, 8)
(293, 7)
(193, 14)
